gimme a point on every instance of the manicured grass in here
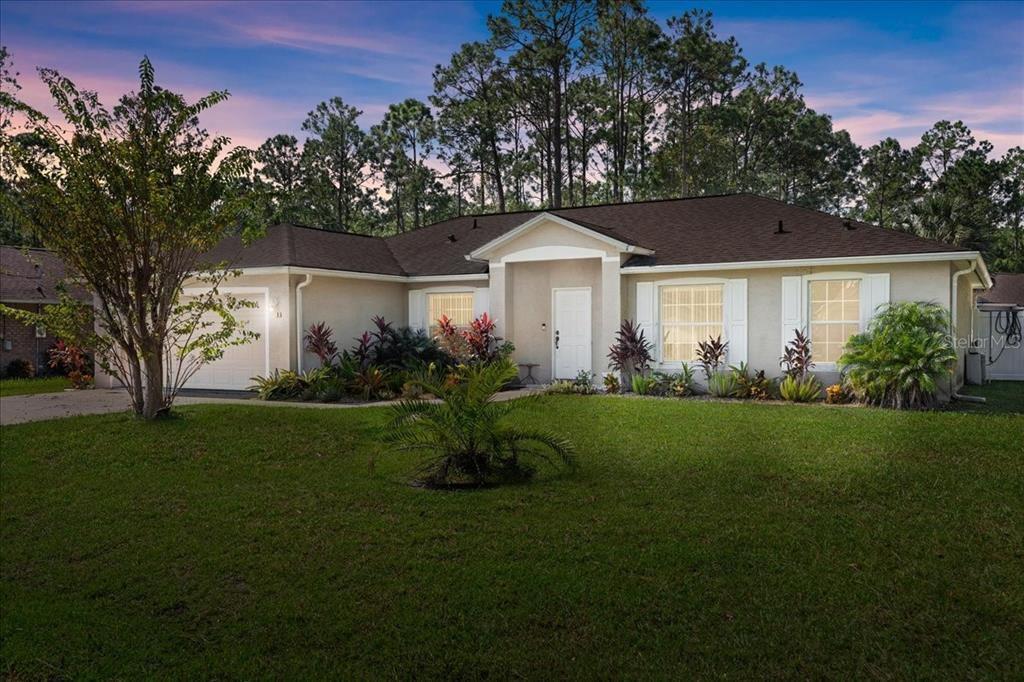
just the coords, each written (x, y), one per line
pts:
(27, 386)
(1001, 397)
(696, 539)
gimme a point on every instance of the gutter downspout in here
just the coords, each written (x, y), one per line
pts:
(953, 304)
(299, 327)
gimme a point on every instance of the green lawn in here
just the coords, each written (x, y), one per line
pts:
(27, 386)
(1000, 397)
(696, 539)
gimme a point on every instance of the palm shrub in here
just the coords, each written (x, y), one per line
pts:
(466, 432)
(899, 360)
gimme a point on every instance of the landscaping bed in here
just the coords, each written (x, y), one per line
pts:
(693, 539)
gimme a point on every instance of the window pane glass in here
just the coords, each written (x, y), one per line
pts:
(818, 291)
(458, 307)
(834, 311)
(689, 314)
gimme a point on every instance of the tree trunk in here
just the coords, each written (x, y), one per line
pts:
(483, 184)
(399, 218)
(583, 166)
(498, 179)
(416, 188)
(556, 137)
(154, 392)
(568, 145)
(135, 389)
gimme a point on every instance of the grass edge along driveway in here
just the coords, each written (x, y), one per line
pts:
(695, 539)
(10, 387)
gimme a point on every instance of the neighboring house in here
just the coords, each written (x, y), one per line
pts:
(998, 322)
(28, 280)
(559, 282)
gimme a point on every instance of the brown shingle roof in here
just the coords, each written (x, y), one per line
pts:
(1006, 288)
(32, 275)
(718, 229)
(309, 248)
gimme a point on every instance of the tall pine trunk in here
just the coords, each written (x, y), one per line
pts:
(556, 136)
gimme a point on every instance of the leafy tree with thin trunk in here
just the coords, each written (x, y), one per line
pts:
(545, 34)
(280, 175)
(629, 51)
(1009, 239)
(403, 140)
(130, 198)
(889, 177)
(335, 166)
(472, 95)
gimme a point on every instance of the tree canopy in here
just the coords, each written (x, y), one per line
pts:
(130, 198)
(577, 102)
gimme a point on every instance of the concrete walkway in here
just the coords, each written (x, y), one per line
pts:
(18, 409)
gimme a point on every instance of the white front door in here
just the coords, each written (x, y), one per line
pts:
(571, 332)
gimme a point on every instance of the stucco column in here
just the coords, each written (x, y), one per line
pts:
(496, 299)
(611, 311)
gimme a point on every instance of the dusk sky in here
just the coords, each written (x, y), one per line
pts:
(879, 69)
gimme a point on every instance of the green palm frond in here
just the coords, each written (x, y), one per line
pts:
(466, 428)
(899, 360)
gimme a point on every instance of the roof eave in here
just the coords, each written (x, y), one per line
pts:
(480, 253)
(807, 262)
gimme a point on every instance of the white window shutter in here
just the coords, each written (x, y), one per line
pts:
(645, 311)
(874, 293)
(736, 319)
(481, 301)
(417, 310)
(792, 306)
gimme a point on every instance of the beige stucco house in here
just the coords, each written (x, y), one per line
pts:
(559, 282)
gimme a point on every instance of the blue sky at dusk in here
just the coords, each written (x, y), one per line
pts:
(879, 69)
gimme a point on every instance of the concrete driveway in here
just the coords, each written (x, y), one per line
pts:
(18, 409)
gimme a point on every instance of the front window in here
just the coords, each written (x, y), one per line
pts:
(689, 314)
(457, 307)
(834, 315)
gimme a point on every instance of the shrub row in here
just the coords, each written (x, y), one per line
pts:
(384, 362)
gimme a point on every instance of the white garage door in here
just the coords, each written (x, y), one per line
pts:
(240, 363)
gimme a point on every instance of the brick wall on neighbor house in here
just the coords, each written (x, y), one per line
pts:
(19, 341)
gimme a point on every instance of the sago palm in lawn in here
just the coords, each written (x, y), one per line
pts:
(466, 429)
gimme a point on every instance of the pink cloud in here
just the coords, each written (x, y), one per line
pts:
(826, 102)
(868, 127)
(246, 118)
(309, 38)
